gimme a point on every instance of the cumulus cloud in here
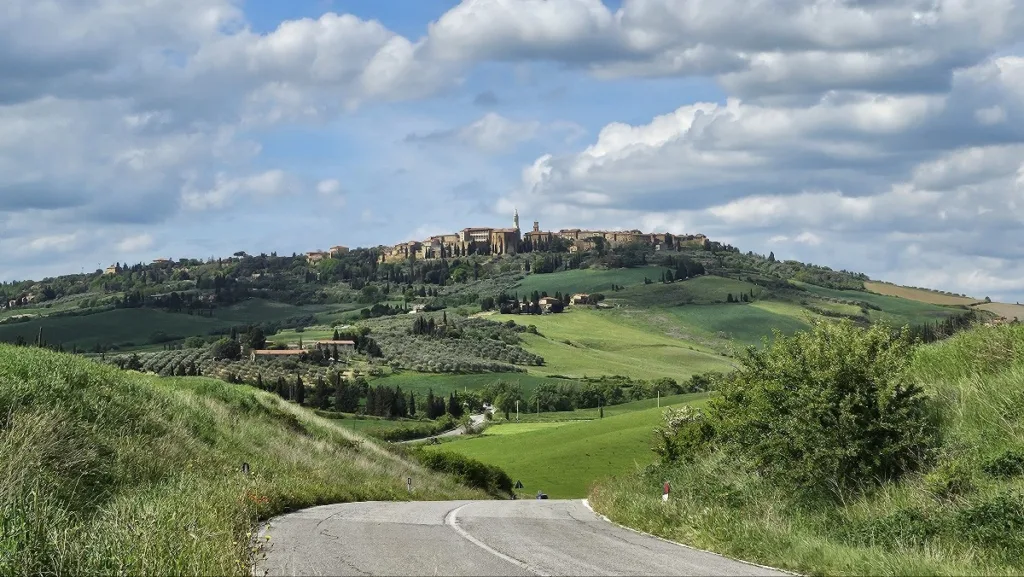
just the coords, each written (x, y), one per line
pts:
(135, 243)
(832, 179)
(756, 49)
(226, 190)
(885, 135)
(494, 134)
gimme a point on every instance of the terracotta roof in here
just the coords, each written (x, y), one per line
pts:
(276, 353)
(336, 343)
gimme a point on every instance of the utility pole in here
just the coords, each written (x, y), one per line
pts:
(517, 411)
(659, 398)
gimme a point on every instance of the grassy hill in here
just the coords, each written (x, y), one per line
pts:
(961, 514)
(591, 343)
(589, 280)
(111, 472)
(563, 459)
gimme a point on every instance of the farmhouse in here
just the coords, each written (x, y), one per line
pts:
(346, 346)
(316, 256)
(549, 303)
(339, 250)
(273, 353)
(579, 299)
(112, 269)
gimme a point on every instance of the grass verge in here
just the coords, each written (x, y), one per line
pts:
(107, 472)
(962, 515)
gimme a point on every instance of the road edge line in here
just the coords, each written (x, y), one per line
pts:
(452, 520)
(586, 503)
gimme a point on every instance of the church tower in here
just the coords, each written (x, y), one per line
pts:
(515, 219)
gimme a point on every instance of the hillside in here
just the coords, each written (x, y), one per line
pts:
(111, 472)
(564, 458)
(958, 510)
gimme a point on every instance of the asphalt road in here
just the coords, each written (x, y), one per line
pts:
(522, 537)
(475, 421)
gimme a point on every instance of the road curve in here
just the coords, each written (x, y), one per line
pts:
(474, 422)
(522, 537)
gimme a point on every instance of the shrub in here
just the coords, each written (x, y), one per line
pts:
(950, 480)
(829, 409)
(468, 471)
(684, 435)
(1005, 465)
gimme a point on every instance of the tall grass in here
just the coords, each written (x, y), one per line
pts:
(962, 516)
(106, 472)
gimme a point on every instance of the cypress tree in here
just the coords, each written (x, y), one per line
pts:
(259, 381)
(412, 404)
(300, 390)
(320, 394)
(339, 393)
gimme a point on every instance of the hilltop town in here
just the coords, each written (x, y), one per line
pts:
(496, 241)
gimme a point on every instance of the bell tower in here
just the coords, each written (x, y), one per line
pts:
(515, 219)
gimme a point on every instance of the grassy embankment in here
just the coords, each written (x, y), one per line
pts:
(963, 515)
(107, 472)
(564, 459)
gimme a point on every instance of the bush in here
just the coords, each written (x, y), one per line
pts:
(1005, 465)
(468, 471)
(830, 409)
(684, 435)
(950, 480)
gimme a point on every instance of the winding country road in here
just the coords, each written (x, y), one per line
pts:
(524, 537)
(474, 422)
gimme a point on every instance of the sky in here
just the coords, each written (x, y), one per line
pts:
(885, 137)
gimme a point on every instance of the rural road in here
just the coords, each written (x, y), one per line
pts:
(521, 537)
(475, 421)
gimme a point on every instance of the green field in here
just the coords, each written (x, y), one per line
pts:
(111, 327)
(598, 345)
(261, 311)
(308, 335)
(565, 460)
(706, 289)
(895, 310)
(586, 280)
(138, 325)
(693, 399)
(745, 323)
(445, 383)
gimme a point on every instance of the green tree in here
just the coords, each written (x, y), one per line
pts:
(300, 390)
(226, 348)
(412, 404)
(320, 393)
(256, 339)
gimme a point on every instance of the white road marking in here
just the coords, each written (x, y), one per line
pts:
(452, 520)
